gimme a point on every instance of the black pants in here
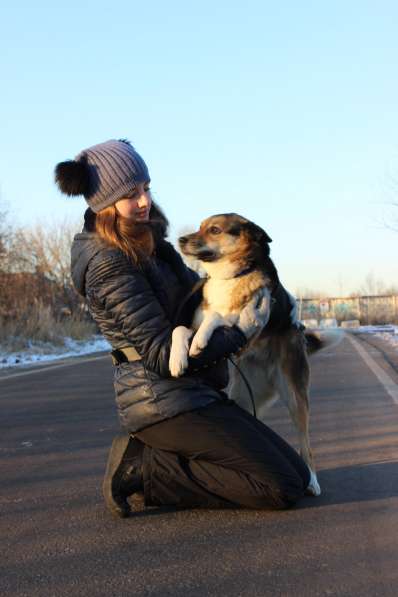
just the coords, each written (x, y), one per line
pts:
(220, 456)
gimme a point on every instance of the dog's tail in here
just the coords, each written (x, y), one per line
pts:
(320, 339)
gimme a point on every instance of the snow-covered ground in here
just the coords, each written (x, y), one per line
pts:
(40, 353)
(389, 333)
(45, 352)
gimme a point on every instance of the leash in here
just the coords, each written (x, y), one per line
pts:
(247, 386)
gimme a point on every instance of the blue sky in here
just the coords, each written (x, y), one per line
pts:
(283, 112)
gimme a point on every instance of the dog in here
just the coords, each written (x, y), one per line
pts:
(235, 254)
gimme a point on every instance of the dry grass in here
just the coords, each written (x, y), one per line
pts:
(39, 325)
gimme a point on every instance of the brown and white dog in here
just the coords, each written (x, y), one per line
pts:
(234, 252)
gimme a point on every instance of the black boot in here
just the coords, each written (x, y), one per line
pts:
(123, 474)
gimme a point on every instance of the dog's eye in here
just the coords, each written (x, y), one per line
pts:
(215, 230)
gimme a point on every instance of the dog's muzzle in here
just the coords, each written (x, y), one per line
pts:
(194, 248)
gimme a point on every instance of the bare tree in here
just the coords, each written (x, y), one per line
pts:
(308, 293)
(37, 298)
(372, 286)
(5, 235)
(35, 269)
(45, 251)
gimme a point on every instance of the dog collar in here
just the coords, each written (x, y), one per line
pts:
(245, 271)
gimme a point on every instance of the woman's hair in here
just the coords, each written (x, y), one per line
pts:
(137, 240)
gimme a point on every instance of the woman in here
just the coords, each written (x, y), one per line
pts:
(186, 444)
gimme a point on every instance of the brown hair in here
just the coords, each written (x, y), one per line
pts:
(137, 240)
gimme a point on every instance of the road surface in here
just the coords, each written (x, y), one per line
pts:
(57, 539)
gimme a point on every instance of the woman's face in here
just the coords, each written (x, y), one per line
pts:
(137, 205)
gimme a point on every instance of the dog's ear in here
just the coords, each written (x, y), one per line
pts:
(259, 236)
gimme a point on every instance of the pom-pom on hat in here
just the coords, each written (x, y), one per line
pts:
(102, 173)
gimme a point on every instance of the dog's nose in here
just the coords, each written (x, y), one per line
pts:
(183, 240)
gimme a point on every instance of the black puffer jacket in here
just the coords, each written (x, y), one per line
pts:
(135, 306)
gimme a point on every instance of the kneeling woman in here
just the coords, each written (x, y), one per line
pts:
(185, 443)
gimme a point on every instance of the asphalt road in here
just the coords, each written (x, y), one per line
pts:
(57, 539)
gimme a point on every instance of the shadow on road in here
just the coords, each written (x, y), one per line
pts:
(356, 483)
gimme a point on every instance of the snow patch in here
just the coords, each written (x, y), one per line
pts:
(45, 352)
(389, 333)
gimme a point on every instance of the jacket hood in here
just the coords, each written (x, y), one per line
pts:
(85, 245)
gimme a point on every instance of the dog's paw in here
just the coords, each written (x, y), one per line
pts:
(178, 361)
(211, 321)
(177, 364)
(313, 486)
(197, 346)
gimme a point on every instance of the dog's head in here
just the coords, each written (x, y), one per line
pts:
(227, 238)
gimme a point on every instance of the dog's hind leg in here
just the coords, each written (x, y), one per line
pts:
(299, 410)
(296, 397)
(296, 369)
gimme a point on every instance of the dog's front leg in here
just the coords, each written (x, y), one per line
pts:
(211, 321)
(178, 360)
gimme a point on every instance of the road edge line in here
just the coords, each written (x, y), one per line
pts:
(39, 369)
(389, 385)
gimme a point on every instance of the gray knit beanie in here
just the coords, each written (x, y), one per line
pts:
(102, 173)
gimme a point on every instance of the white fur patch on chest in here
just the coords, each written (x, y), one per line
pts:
(219, 295)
